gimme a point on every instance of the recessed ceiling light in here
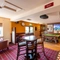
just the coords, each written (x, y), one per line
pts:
(28, 19)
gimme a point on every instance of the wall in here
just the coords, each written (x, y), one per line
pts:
(21, 29)
(6, 28)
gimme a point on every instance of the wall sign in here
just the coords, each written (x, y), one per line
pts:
(49, 5)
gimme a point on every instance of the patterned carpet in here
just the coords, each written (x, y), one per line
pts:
(12, 52)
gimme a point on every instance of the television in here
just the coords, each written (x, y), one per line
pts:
(57, 27)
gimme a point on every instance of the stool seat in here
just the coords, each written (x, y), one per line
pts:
(22, 43)
(31, 47)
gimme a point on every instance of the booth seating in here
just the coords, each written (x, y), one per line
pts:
(3, 45)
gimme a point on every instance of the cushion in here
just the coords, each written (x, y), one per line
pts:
(22, 43)
(1, 39)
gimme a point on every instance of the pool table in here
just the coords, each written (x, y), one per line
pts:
(52, 37)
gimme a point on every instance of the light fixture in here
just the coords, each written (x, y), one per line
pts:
(44, 16)
(29, 19)
(30, 24)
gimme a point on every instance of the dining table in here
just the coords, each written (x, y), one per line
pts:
(31, 41)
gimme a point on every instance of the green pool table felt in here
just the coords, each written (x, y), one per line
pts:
(52, 35)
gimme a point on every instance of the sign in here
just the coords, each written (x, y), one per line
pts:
(49, 5)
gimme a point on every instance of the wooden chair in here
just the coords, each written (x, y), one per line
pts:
(20, 46)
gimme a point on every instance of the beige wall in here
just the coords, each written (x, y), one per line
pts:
(6, 28)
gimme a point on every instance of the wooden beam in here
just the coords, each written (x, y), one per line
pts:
(13, 4)
(9, 8)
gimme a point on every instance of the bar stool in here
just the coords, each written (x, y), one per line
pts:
(20, 46)
(40, 42)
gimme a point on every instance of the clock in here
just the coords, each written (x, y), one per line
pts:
(23, 24)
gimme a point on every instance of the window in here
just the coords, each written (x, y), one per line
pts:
(26, 29)
(29, 29)
(1, 31)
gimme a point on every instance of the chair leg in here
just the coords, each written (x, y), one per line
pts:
(17, 54)
(44, 51)
(7, 48)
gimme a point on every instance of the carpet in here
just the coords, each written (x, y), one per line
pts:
(12, 53)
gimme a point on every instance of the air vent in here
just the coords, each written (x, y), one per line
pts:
(44, 16)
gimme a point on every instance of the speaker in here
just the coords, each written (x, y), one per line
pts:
(35, 28)
(17, 22)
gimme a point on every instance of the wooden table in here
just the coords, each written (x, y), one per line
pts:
(31, 39)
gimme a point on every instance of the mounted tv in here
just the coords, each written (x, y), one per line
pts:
(57, 27)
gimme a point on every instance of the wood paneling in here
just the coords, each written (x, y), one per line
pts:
(21, 29)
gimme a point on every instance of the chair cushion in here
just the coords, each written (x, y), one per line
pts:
(39, 40)
(22, 43)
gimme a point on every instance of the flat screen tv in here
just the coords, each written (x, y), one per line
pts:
(57, 27)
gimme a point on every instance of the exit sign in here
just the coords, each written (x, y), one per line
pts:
(49, 5)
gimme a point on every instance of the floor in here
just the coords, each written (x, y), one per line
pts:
(52, 46)
(11, 54)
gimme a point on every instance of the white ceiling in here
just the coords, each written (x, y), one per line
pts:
(53, 16)
(24, 4)
(28, 5)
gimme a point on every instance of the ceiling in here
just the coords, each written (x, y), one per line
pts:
(53, 16)
(27, 5)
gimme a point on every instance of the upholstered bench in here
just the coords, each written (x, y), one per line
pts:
(3, 45)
